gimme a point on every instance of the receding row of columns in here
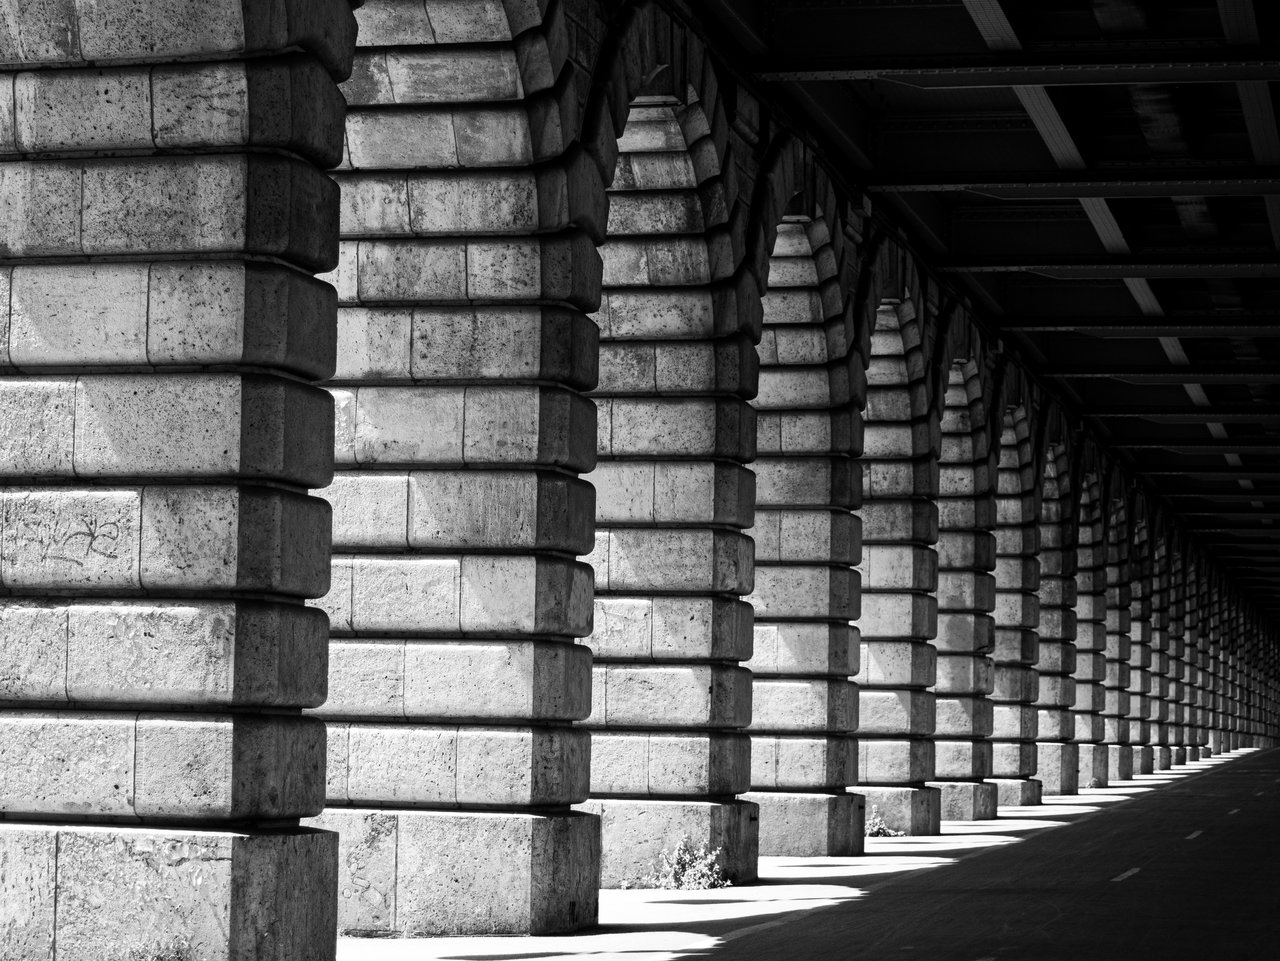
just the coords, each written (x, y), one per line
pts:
(617, 550)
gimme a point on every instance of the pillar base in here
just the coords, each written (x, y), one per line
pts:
(1094, 768)
(1163, 758)
(1058, 768)
(1179, 755)
(635, 831)
(809, 825)
(917, 811)
(1018, 792)
(1144, 759)
(110, 892)
(968, 800)
(1120, 762)
(422, 873)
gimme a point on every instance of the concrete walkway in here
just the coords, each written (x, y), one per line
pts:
(1182, 864)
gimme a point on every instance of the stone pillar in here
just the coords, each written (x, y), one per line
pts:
(966, 597)
(1015, 723)
(671, 699)
(804, 707)
(1176, 668)
(468, 265)
(1057, 753)
(899, 578)
(1115, 709)
(1158, 671)
(1140, 654)
(161, 332)
(1091, 645)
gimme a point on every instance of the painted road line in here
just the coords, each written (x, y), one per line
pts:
(1193, 835)
(1127, 874)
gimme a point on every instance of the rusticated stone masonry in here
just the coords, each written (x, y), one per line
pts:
(468, 263)
(160, 332)
(899, 581)
(670, 698)
(1057, 752)
(807, 539)
(1091, 639)
(1116, 696)
(1018, 647)
(966, 598)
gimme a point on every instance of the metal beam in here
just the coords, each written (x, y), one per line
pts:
(1168, 374)
(1226, 414)
(1041, 69)
(1251, 445)
(1180, 265)
(1231, 181)
(1224, 324)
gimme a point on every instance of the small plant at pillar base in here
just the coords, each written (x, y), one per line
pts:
(878, 827)
(687, 868)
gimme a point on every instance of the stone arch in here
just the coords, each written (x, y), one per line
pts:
(966, 394)
(899, 564)
(807, 534)
(470, 216)
(1057, 754)
(678, 319)
(1017, 606)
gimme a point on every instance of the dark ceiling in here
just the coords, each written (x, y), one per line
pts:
(1102, 177)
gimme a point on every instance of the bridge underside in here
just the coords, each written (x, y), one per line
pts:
(454, 453)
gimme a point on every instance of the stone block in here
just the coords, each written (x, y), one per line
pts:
(445, 595)
(962, 760)
(803, 705)
(1054, 724)
(672, 493)
(676, 427)
(227, 894)
(809, 825)
(897, 616)
(964, 674)
(891, 663)
(791, 649)
(1013, 759)
(404, 765)
(635, 832)
(899, 568)
(966, 632)
(1014, 683)
(809, 592)
(917, 811)
(672, 629)
(669, 763)
(206, 653)
(802, 763)
(1094, 766)
(1018, 792)
(1015, 722)
(638, 559)
(424, 873)
(895, 762)
(963, 717)
(427, 680)
(896, 712)
(1058, 768)
(684, 695)
(968, 800)
(149, 766)
(1120, 761)
(888, 521)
